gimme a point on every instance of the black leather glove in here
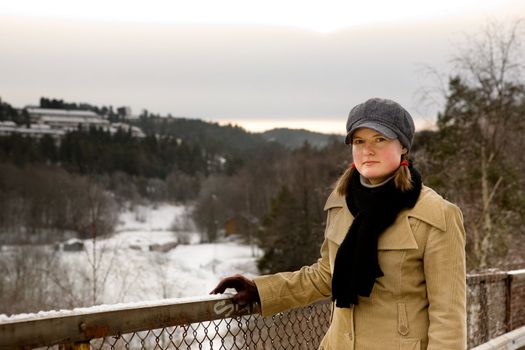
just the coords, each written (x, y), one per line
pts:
(247, 292)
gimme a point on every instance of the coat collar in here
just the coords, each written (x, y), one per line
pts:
(429, 208)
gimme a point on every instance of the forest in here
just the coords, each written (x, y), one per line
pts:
(275, 194)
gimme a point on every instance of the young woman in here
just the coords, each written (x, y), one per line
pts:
(393, 257)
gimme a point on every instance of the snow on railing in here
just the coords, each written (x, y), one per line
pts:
(211, 322)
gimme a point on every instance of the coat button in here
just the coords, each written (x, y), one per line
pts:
(403, 330)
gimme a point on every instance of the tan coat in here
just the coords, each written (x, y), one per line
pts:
(419, 303)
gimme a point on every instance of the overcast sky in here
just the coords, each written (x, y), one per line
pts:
(259, 64)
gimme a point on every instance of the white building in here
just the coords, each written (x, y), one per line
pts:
(7, 127)
(35, 130)
(57, 122)
(66, 119)
(134, 130)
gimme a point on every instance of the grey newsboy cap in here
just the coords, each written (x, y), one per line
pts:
(384, 116)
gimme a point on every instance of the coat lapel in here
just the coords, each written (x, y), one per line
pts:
(398, 236)
(339, 218)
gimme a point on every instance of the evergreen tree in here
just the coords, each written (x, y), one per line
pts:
(7, 112)
(289, 236)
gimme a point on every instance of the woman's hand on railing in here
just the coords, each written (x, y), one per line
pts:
(247, 292)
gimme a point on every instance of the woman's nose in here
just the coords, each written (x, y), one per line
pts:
(368, 148)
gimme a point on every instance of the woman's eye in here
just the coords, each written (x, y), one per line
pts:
(357, 142)
(380, 139)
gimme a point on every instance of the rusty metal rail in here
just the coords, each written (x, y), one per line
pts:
(89, 323)
(211, 322)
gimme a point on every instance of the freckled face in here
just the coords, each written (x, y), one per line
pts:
(375, 156)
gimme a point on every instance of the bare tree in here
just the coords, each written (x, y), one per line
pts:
(33, 278)
(100, 220)
(473, 159)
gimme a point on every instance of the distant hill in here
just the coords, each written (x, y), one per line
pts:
(225, 139)
(232, 139)
(295, 138)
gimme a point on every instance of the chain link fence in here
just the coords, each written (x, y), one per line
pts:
(301, 328)
(297, 329)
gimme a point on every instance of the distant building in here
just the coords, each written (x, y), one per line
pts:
(73, 245)
(235, 225)
(7, 127)
(57, 122)
(40, 130)
(66, 119)
(35, 130)
(135, 130)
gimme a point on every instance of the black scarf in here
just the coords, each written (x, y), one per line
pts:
(374, 210)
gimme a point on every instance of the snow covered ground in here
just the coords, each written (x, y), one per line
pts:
(127, 270)
(188, 270)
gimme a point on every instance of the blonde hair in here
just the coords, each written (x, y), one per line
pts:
(402, 179)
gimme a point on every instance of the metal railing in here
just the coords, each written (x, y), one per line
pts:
(197, 323)
(496, 304)
(513, 340)
(495, 307)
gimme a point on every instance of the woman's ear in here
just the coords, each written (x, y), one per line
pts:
(404, 151)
